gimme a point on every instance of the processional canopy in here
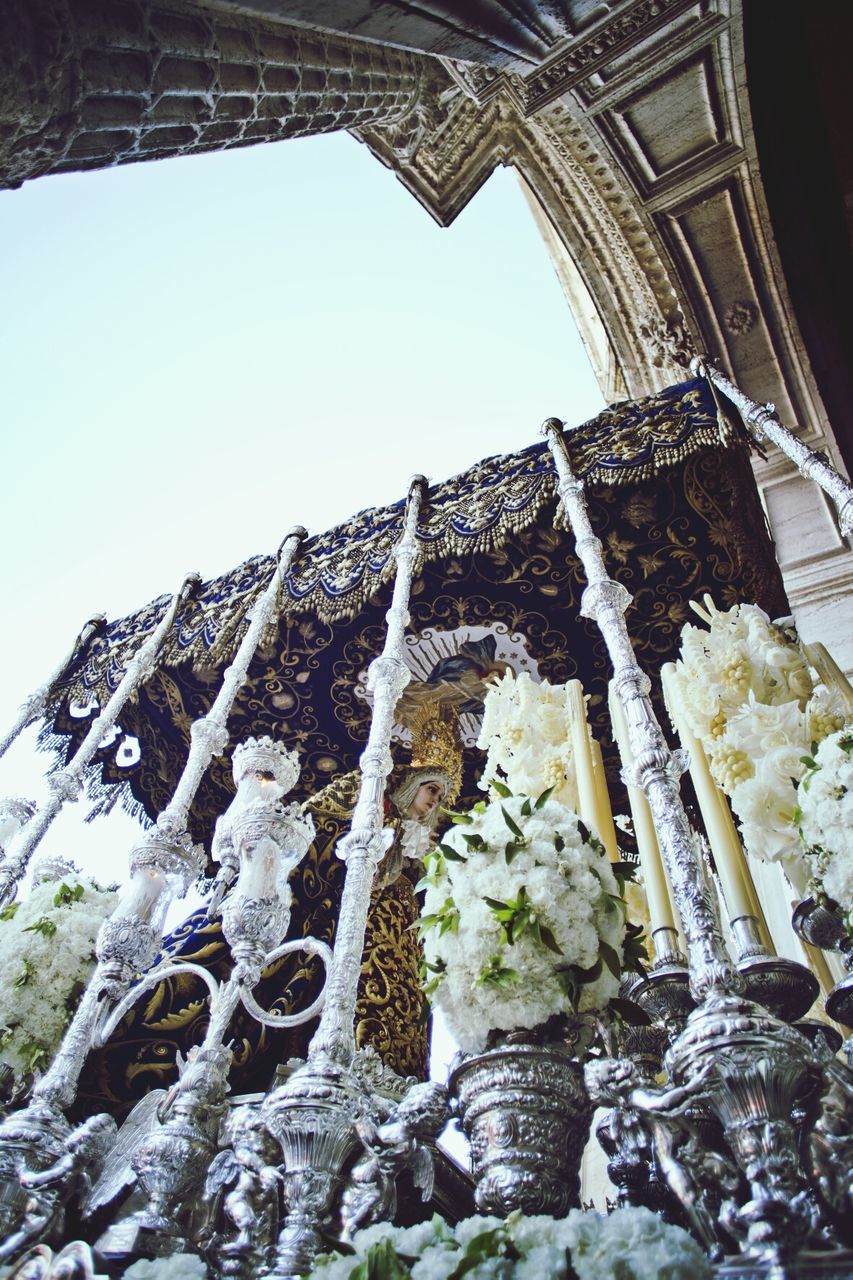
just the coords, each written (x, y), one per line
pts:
(671, 495)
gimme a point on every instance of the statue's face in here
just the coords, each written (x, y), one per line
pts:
(427, 796)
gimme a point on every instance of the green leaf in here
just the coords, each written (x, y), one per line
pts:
(497, 974)
(546, 936)
(500, 789)
(65, 895)
(25, 975)
(43, 926)
(455, 816)
(583, 831)
(610, 958)
(9, 910)
(483, 1248)
(452, 855)
(381, 1263)
(619, 903)
(592, 974)
(511, 850)
(808, 762)
(567, 977)
(512, 824)
(475, 842)
(525, 808)
(479, 807)
(543, 798)
(629, 1012)
(559, 842)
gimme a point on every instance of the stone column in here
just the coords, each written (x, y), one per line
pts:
(84, 85)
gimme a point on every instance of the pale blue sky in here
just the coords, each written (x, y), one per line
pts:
(196, 354)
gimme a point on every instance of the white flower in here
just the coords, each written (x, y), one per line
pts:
(742, 656)
(766, 814)
(47, 954)
(633, 1244)
(531, 762)
(492, 983)
(825, 797)
(180, 1266)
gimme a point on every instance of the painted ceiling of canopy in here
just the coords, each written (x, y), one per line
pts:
(647, 135)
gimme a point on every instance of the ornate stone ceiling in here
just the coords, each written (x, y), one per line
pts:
(629, 123)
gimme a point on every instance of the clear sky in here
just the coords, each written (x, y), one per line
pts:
(196, 354)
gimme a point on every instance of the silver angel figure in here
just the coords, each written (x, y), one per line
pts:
(52, 1189)
(246, 1173)
(398, 1143)
(687, 1166)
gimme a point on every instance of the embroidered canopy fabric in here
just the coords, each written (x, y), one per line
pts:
(671, 495)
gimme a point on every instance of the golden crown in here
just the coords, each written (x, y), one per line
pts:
(436, 744)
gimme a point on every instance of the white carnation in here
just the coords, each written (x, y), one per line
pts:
(179, 1266)
(633, 1244)
(825, 797)
(47, 954)
(567, 882)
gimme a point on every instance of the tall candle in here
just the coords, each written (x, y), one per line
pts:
(582, 754)
(658, 896)
(729, 858)
(603, 808)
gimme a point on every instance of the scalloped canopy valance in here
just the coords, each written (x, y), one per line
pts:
(671, 495)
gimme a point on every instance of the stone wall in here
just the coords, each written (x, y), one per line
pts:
(85, 84)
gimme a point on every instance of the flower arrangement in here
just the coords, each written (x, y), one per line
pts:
(524, 914)
(523, 918)
(745, 690)
(825, 816)
(633, 1244)
(526, 735)
(178, 1266)
(47, 953)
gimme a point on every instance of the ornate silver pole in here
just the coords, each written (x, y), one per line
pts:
(745, 1064)
(209, 734)
(66, 784)
(269, 839)
(363, 846)
(312, 1116)
(655, 768)
(37, 1137)
(165, 859)
(762, 420)
(35, 705)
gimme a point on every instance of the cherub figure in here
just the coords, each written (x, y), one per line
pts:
(660, 1110)
(829, 1143)
(399, 1142)
(85, 1150)
(252, 1182)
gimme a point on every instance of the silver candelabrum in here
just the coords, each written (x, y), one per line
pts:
(757, 1077)
(259, 842)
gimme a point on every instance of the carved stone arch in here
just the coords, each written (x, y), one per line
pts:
(614, 255)
(605, 254)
